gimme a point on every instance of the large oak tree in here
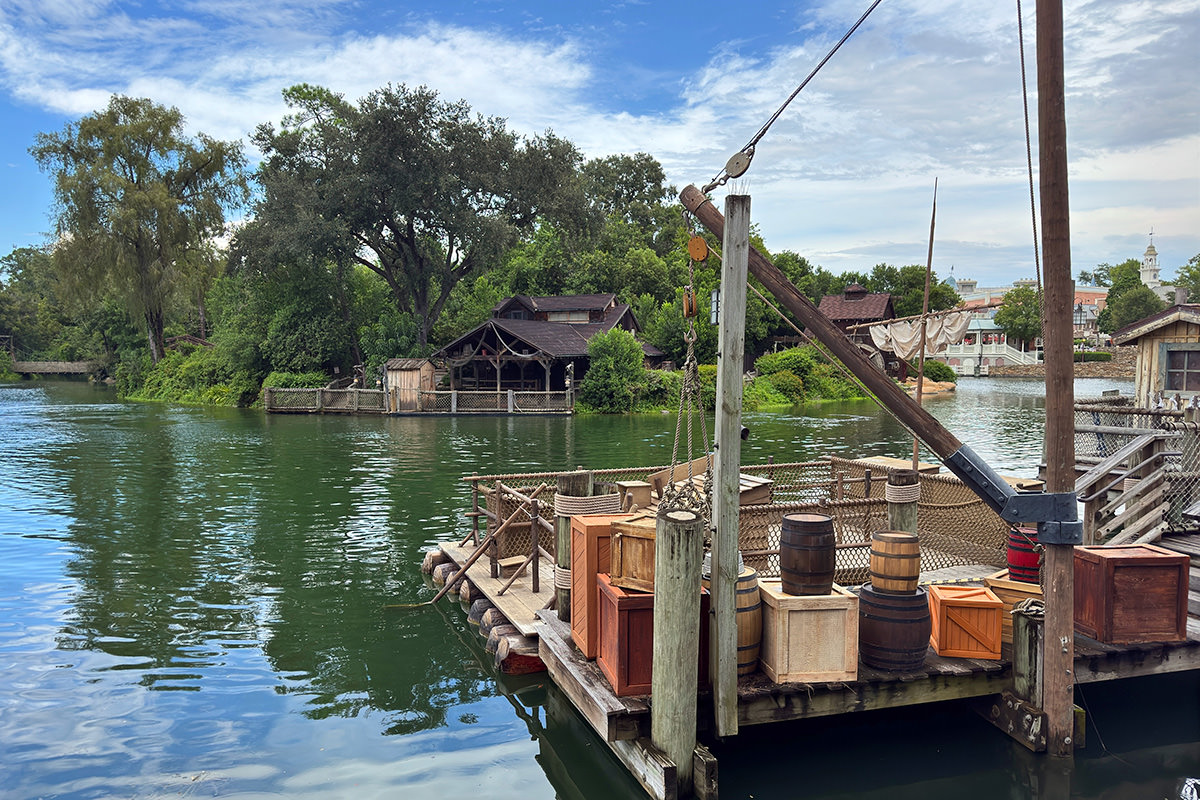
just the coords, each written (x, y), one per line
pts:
(136, 199)
(418, 190)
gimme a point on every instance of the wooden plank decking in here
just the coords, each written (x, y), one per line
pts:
(519, 604)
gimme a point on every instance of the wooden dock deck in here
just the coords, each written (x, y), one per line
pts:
(623, 723)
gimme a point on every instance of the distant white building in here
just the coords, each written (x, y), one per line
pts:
(1149, 276)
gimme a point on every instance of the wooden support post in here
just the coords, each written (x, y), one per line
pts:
(494, 553)
(902, 485)
(723, 581)
(678, 550)
(475, 513)
(570, 484)
(454, 403)
(535, 529)
(1059, 645)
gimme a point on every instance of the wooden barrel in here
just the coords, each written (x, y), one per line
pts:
(1023, 555)
(893, 629)
(895, 562)
(749, 620)
(806, 554)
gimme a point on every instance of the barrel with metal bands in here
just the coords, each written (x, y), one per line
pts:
(807, 552)
(1023, 556)
(893, 629)
(895, 562)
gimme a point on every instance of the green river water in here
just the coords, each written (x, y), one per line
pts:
(193, 603)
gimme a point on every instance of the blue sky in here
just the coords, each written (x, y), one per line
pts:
(926, 89)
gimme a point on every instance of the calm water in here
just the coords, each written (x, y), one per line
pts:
(193, 603)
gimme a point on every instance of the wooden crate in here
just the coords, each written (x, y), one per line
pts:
(626, 650)
(1010, 593)
(966, 621)
(808, 638)
(632, 565)
(1125, 594)
(589, 556)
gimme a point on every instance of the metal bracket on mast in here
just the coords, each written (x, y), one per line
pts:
(1056, 513)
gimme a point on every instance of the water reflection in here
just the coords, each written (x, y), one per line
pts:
(197, 598)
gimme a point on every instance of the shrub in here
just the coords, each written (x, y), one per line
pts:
(761, 393)
(935, 371)
(789, 384)
(295, 380)
(616, 372)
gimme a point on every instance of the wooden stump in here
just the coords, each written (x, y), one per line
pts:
(432, 559)
(497, 633)
(469, 592)
(518, 655)
(443, 572)
(490, 619)
(477, 610)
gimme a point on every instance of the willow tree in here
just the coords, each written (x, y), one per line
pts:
(417, 190)
(136, 199)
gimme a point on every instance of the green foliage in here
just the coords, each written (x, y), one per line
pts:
(660, 390)
(415, 189)
(1125, 277)
(761, 394)
(392, 335)
(295, 380)
(616, 373)
(1189, 276)
(1021, 315)
(6, 373)
(201, 377)
(801, 373)
(136, 199)
(936, 371)
(1132, 305)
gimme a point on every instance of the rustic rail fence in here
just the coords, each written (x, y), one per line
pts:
(956, 527)
(344, 401)
(1142, 470)
(510, 401)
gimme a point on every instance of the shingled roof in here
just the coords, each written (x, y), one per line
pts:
(856, 304)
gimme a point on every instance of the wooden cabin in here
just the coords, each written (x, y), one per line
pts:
(854, 306)
(1168, 353)
(404, 380)
(536, 343)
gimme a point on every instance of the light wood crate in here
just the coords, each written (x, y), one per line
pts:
(632, 543)
(809, 638)
(1010, 593)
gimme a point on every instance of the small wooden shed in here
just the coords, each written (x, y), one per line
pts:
(404, 380)
(1168, 353)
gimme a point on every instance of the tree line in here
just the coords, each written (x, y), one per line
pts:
(374, 229)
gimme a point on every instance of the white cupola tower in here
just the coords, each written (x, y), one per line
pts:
(1149, 271)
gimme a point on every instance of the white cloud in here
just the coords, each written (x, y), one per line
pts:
(925, 89)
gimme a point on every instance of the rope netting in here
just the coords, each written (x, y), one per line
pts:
(955, 526)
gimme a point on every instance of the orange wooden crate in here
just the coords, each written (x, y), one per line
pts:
(966, 621)
(589, 556)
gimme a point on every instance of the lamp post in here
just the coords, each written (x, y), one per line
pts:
(1080, 318)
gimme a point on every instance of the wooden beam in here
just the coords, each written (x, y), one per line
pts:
(1058, 699)
(611, 717)
(650, 767)
(723, 582)
(920, 421)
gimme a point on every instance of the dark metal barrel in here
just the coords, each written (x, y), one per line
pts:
(807, 549)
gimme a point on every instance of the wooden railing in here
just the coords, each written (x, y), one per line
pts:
(509, 401)
(346, 401)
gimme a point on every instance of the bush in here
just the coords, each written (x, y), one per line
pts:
(295, 380)
(616, 373)
(760, 394)
(205, 377)
(789, 384)
(936, 371)
(661, 390)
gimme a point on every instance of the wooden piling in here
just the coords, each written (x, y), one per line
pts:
(678, 550)
(570, 484)
(902, 493)
(1059, 644)
(723, 603)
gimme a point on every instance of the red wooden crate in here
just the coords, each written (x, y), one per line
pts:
(590, 540)
(626, 653)
(1125, 594)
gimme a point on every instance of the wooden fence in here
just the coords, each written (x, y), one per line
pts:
(311, 401)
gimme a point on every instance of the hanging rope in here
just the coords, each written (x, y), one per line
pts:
(686, 495)
(1037, 262)
(740, 162)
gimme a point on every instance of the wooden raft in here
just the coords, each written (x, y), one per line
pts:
(519, 603)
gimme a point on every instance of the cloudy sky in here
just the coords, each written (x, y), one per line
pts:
(926, 89)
